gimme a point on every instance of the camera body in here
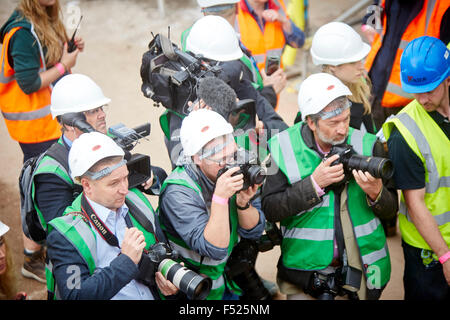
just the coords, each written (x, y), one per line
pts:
(378, 167)
(345, 280)
(240, 266)
(159, 257)
(248, 165)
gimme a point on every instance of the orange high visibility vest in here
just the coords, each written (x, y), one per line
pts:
(260, 43)
(27, 116)
(427, 22)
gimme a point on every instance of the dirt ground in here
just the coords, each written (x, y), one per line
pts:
(116, 33)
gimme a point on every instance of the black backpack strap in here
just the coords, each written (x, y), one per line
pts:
(59, 152)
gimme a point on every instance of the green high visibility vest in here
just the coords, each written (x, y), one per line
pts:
(308, 236)
(84, 238)
(431, 145)
(48, 165)
(210, 267)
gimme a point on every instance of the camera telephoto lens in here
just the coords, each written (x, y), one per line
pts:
(376, 166)
(195, 286)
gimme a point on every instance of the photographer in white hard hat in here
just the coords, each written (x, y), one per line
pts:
(268, 85)
(215, 40)
(202, 206)
(94, 249)
(78, 104)
(328, 206)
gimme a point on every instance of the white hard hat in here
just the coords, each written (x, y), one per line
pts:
(88, 149)
(317, 91)
(3, 228)
(200, 127)
(336, 43)
(76, 93)
(214, 38)
(210, 3)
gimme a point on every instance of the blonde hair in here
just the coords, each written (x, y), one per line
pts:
(361, 90)
(8, 280)
(48, 25)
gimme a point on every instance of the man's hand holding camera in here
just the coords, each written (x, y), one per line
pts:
(370, 185)
(133, 245)
(326, 174)
(227, 184)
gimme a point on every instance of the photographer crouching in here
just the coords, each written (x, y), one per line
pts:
(206, 202)
(327, 202)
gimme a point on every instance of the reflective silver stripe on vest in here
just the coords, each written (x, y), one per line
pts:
(259, 58)
(142, 207)
(292, 170)
(356, 140)
(192, 255)
(29, 115)
(367, 228)
(396, 89)
(85, 233)
(308, 234)
(441, 219)
(434, 181)
(219, 282)
(374, 256)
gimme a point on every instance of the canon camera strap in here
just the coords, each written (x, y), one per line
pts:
(98, 224)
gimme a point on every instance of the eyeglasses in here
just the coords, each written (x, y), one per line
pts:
(96, 110)
(226, 160)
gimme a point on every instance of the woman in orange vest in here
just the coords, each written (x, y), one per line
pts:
(265, 29)
(34, 55)
(32, 58)
(401, 21)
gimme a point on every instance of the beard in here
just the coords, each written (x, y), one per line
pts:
(330, 141)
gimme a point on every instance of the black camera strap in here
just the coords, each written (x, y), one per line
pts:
(104, 231)
(338, 232)
(97, 223)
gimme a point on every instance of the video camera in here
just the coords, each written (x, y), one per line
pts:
(171, 76)
(139, 170)
(159, 258)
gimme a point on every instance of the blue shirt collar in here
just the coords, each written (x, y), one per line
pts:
(67, 141)
(103, 213)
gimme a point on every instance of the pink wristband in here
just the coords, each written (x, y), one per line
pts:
(60, 68)
(219, 200)
(444, 258)
(364, 27)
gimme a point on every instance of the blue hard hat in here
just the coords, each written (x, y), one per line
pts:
(424, 64)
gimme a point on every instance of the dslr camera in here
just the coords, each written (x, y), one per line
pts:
(240, 266)
(160, 257)
(345, 280)
(378, 167)
(248, 166)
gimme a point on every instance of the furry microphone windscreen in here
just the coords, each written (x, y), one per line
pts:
(218, 95)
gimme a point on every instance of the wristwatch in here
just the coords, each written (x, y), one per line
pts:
(243, 208)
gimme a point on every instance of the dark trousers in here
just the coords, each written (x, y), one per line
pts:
(33, 149)
(423, 282)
